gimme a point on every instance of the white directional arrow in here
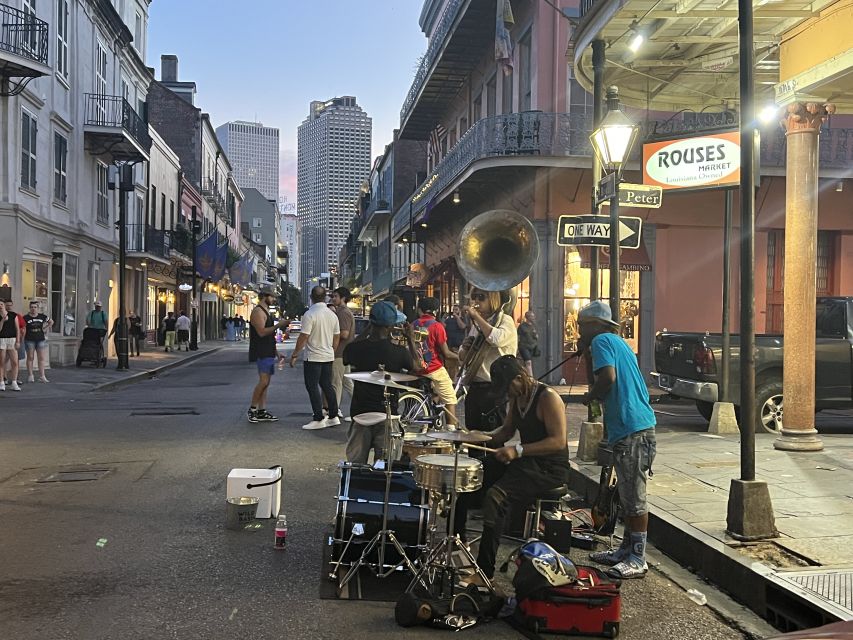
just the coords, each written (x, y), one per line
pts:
(624, 231)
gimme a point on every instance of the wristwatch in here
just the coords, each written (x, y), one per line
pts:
(519, 449)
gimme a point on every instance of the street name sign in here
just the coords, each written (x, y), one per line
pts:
(643, 196)
(606, 188)
(594, 231)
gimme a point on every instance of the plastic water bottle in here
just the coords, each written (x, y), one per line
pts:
(562, 382)
(697, 596)
(281, 532)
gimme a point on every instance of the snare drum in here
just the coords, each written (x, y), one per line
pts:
(435, 472)
(416, 445)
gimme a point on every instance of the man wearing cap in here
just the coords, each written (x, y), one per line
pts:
(319, 336)
(368, 355)
(517, 475)
(262, 330)
(436, 354)
(630, 424)
(97, 319)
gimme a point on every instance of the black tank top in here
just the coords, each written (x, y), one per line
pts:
(532, 429)
(262, 346)
(10, 327)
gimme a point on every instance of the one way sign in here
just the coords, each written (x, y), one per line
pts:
(595, 231)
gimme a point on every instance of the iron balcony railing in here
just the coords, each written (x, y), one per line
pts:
(530, 133)
(211, 193)
(448, 17)
(586, 6)
(22, 34)
(155, 242)
(135, 237)
(835, 148)
(115, 111)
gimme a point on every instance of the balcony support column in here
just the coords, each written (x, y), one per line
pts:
(802, 126)
(598, 113)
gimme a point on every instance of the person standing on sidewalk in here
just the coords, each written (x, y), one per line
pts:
(630, 424)
(436, 354)
(319, 337)
(136, 333)
(35, 339)
(114, 332)
(182, 326)
(262, 330)
(97, 319)
(10, 342)
(169, 324)
(346, 321)
(528, 341)
(456, 328)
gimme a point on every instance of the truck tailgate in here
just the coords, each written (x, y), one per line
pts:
(676, 355)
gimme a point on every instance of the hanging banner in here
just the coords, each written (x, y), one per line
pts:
(703, 161)
(219, 262)
(206, 257)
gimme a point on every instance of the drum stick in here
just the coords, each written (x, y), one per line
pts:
(476, 446)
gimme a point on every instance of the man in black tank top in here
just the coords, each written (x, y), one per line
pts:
(515, 476)
(262, 329)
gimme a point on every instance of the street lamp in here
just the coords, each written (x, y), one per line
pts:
(612, 142)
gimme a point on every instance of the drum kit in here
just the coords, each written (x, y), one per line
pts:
(388, 516)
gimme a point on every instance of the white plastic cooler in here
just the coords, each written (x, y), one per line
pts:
(269, 495)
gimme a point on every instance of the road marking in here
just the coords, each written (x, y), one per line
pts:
(233, 613)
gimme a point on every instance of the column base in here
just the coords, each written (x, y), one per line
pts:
(798, 440)
(750, 511)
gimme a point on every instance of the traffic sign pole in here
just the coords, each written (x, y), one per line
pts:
(614, 252)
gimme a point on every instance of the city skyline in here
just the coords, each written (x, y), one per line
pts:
(279, 101)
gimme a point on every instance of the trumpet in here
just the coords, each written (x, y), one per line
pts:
(398, 335)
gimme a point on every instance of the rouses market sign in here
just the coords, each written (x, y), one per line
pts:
(701, 162)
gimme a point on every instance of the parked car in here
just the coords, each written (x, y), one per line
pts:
(687, 366)
(294, 329)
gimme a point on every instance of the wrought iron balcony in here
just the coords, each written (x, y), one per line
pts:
(835, 149)
(210, 192)
(152, 242)
(23, 44)
(113, 128)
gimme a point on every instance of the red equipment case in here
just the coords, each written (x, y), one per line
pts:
(590, 607)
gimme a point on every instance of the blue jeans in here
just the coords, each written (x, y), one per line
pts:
(318, 375)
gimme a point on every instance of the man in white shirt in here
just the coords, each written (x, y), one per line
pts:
(319, 337)
(182, 326)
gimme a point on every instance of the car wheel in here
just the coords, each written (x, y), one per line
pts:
(769, 409)
(705, 408)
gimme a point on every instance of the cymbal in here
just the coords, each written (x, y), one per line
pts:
(392, 375)
(369, 378)
(470, 437)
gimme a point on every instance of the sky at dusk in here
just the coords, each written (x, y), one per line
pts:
(266, 60)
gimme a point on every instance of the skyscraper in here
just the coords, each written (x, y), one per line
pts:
(252, 149)
(333, 159)
(289, 237)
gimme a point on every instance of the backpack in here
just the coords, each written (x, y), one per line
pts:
(426, 352)
(540, 567)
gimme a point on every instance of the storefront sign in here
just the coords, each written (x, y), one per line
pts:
(416, 276)
(701, 162)
(595, 231)
(208, 296)
(641, 196)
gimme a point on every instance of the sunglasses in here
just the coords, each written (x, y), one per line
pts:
(479, 297)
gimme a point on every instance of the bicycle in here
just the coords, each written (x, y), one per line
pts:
(419, 411)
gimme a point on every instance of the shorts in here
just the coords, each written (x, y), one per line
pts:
(183, 335)
(442, 386)
(8, 344)
(267, 366)
(633, 456)
(35, 344)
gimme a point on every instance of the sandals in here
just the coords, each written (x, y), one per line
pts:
(628, 569)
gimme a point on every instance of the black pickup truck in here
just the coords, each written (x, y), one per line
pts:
(687, 366)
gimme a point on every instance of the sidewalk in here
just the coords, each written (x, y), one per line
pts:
(800, 579)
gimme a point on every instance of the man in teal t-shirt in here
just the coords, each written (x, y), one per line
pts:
(630, 424)
(97, 319)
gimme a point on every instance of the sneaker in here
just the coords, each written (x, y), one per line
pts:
(2, 385)
(333, 422)
(252, 415)
(30, 378)
(14, 386)
(315, 424)
(265, 416)
(609, 557)
(628, 569)
(348, 419)
(43, 379)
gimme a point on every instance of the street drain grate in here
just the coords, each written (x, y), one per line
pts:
(177, 411)
(75, 475)
(833, 586)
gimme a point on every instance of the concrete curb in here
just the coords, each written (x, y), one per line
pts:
(150, 373)
(747, 581)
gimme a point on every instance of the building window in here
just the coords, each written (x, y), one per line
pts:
(64, 293)
(257, 223)
(257, 238)
(101, 194)
(525, 73)
(62, 67)
(153, 223)
(60, 168)
(34, 283)
(491, 96)
(101, 71)
(506, 94)
(30, 36)
(29, 139)
(94, 284)
(137, 33)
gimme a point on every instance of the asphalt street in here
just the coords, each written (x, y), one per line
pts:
(142, 553)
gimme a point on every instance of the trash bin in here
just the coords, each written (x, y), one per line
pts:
(240, 511)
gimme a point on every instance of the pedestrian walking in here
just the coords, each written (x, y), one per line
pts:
(346, 322)
(169, 328)
(630, 424)
(35, 339)
(182, 327)
(262, 330)
(528, 341)
(319, 337)
(136, 332)
(435, 353)
(97, 319)
(10, 343)
(114, 333)
(22, 353)
(230, 331)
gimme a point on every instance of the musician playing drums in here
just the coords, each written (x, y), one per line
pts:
(515, 476)
(495, 333)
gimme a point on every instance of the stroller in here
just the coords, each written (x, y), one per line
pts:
(92, 348)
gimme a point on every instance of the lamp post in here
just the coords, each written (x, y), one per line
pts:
(125, 186)
(612, 142)
(196, 227)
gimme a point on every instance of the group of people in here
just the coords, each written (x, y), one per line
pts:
(502, 399)
(22, 336)
(234, 328)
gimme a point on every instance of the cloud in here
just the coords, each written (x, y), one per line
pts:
(287, 174)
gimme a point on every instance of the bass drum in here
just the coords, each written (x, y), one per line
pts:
(359, 514)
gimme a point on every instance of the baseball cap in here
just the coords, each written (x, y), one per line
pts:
(385, 314)
(503, 371)
(597, 311)
(97, 304)
(267, 290)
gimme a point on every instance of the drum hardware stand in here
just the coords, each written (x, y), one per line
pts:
(384, 535)
(440, 556)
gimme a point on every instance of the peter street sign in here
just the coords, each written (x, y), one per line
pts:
(595, 231)
(643, 196)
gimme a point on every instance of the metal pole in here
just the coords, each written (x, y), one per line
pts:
(614, 253)
(125, 180)
(747, 242)
(195, 297)
(725, 370)
(597, 115)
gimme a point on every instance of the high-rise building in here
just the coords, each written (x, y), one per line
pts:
(252, 149)
(289, 237)
(333, 159)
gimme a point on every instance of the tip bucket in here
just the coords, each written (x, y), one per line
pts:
(240, 511)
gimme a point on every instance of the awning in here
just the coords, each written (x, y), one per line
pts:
(629, 259)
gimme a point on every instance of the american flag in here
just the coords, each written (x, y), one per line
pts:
(435, 141)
